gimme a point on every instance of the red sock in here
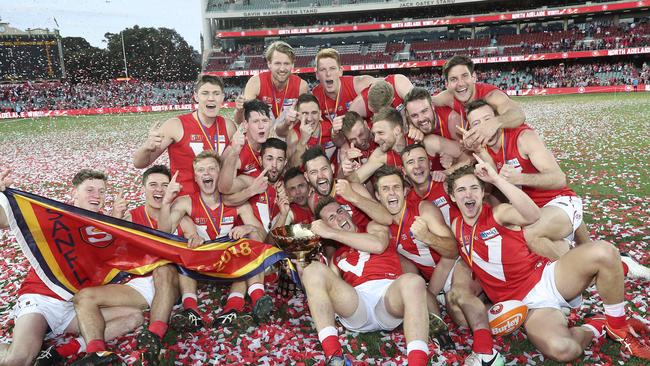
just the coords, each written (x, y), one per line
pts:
(616, 322)
(69, 349)
(615, 315)
(96, 345)
(332, 346)
(417, 358)
(483, 342)
(256, 295)
(235, 303)
(625, 269)
(158, 328)
(191, 303)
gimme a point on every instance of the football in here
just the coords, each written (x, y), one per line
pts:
(506, 316)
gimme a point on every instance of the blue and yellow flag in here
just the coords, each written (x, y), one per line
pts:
(71, 248)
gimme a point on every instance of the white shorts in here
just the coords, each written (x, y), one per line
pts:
(546, 295)
(57, 313)
(572, 206)
(144, 286)
(447, 286)
(371, 314)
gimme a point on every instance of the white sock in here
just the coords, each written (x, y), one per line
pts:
(326, 332)
(417, 345)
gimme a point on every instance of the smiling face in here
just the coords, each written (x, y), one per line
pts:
(210, 98)
(390, 193)
(337, 217)
(328, 72)
(90, 195)
(461, 83)
(309, 113)
(416, 165)
(274, 160)
(259, 126)
(420, 113)
(359, 135)
(297, 190)
(468, 195)
(319, 174)
(280, 66)
(154, 189)
(206, 173)
(481, 115)
(385, 134)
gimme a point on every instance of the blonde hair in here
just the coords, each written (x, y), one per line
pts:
(282, 47)
(380, 95)
(328, 53)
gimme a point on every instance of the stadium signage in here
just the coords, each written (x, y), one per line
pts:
(411, 4)
(266, 13)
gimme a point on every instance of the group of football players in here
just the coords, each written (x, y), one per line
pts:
(422, 203)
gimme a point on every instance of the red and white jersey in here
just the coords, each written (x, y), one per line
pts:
(358, 267)
(401, 237)
(509, 154)
(32, 284)
(330, 108)
(278, 100)
(264, 206)
(481, 90)
(196, 138)
(212, 223)
(301, 215)
(359, 218)
(398, 102)
(140, 216)
(250, 162)
(436, 194)
(324, 138)
(441, 123)
(499, 257)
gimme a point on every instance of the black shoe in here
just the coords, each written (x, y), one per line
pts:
(150, 345)
(187, 320)
(48, 357)
(262, 309)
(232, 318)
(439, 332)
(103, 358)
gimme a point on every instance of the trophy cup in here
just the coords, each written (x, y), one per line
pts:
(302, 245)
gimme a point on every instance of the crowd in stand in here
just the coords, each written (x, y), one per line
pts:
(62, 95)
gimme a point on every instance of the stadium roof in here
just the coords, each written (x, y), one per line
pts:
(8, 30)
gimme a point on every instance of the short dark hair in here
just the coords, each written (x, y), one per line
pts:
(208, 79)
(86, 174)
(476, 104)
(455, 61)
(386, 170)
(311, 154)
(417, 93)
(156, 169)
(411, 147)
(458, 173)
(274, 143)
(389, 114)
(258, 106)
(349, 120)
(291, 173)
(322, 202)
(306, 98)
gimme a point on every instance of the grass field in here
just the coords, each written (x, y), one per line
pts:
(601, 141)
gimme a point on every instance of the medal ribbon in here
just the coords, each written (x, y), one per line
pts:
(211, 141)
(470, 251)
(216, 226)
(336, 105)
(276, 106)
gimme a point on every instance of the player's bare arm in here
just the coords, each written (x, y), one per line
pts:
(362, 81)
(359, 196)
(246, 187)
(245, 213)
(230, 161)
(365, 171)
(158, 140)
(374, 241)
(251, 91)
(430, 228)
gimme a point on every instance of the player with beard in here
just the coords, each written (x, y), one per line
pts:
(391, 140)
(492, 245)
(311, 131)
(426, 185)
(213, 219)
(462, 88)
(263, 192)
(431, 119)
(297, 194)
(187, 135)
(352, 196)
(39, 311)
(278, 88)
(242, 156)
(364, 285)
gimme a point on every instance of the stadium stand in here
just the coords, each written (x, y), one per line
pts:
(28, 55)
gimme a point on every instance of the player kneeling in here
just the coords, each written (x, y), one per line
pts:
(363, 286)
(493, 246)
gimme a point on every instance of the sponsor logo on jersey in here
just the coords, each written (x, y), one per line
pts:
(514, 162)
(400, 107)
(490, 233)
(440, 201)
(228, 220)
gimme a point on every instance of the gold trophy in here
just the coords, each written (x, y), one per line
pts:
(299, 241)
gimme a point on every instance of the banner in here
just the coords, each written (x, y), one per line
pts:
(580, 90)
(71, 248)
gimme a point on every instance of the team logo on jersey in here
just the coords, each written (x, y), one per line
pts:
(250, 168)
(201, 220)
(404, 237)
(95, 237)
(329, 145)
(440, 201)
(514, 162)
(196, 138)
(228, 220)
(399, 107)
(490, 233)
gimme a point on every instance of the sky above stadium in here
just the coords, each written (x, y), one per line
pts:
(91, 19)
